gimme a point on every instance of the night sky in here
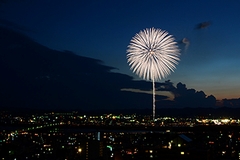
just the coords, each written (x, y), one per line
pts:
(101, 31)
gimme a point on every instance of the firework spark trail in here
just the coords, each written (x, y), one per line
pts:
(152, 54)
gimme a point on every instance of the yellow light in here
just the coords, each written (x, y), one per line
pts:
(225, 120)
(182, 153)
(79, 150)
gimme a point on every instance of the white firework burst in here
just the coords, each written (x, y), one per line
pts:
(152, 54)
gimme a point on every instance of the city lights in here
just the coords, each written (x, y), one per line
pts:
(126, 136)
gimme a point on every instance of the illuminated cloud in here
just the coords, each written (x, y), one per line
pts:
(164, 94)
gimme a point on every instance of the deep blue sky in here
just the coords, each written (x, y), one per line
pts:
(103, 29)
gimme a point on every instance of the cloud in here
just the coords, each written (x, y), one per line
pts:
(14, 26)
(181, 96)
(158, 94)
(184, 97)
(184, 43)
(35, 76)
(38, 77)
(203, 25)
(234, 103)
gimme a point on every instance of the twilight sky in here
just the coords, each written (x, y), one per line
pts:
(102, 29)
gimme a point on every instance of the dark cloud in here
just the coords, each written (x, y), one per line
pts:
(203, 25)
(233, 103)
(35, 76)
(14, 26)
(184, 97)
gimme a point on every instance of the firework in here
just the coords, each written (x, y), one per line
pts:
(152, 54)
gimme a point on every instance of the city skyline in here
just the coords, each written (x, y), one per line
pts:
(102, 31)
